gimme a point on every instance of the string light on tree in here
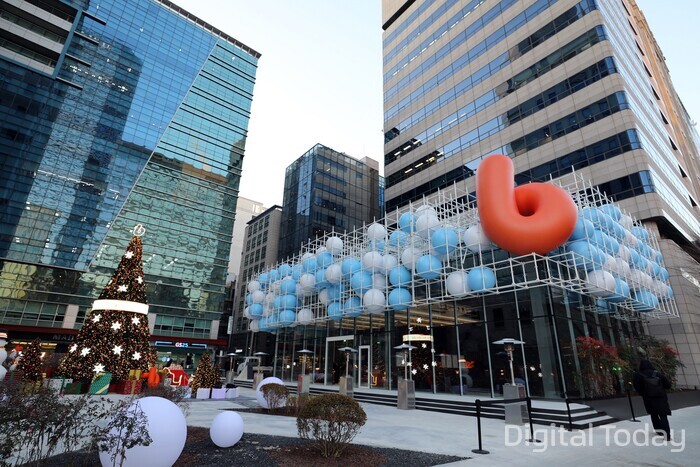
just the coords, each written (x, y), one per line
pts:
(117, 336)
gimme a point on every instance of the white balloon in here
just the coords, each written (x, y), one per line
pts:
(373, 261)
(334, 274)
(254, 325)
(426, 209)
(253, 286)
(626, 221)
(307, 255)
(630, 239)
(258, 393)
(246, 313)
(601, 282)
(390, 262)
(623, 267)
(409, 256)
(609, 264)
(624, 252)
(374, 301)
(426, 224)
(334, 245)
(476, 240)
(307, 282)
(275, 286)
(167, 428)
(258, 296)
(376, 232)
(323, 297)
(226, 429)
(379, 281)
(639, 279)
(456, 284)
(3, 372)
(305, 316)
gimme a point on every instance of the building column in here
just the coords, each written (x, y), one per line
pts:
(545, 345)
(70, 317)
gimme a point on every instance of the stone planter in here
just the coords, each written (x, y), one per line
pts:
(218, 393)
(203, 393)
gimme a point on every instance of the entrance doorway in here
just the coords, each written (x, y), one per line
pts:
(364, 367)
(335, 359)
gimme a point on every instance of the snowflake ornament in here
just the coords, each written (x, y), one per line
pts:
(433, 363)
(135, 320)
(419, 320)
(85, 351)
(117, 349)
(410, 329)
(414, 371)
(99, 368)
(96, 318)
(129, 254)
(122, 288)
(73, 348)
(424, 345)
(139, 280)
(425, 366)
(116, 326)
(137, 356)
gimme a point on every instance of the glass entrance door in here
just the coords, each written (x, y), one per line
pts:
(335, 359)
(364, 367)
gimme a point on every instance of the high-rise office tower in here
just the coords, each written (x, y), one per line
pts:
(557, 85)
(325, 191)
(114, 114)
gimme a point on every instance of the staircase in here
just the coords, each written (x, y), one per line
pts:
(543, 412)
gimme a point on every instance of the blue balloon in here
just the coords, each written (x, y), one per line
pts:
(634, 256)
(335, 292)
(398, 238)
(647, 301)
(428, 267)
(655, 269)
(444, 240)
(284, 270)
(618, 232)
(335, 311)
(641, 233)
(481, 278)
(350, 266)
(249, 299)
(598, 239)
(400, 299)
(376, 246)
(309, 264)
(272, 320)
(324, 259)
(582, 230)
(321, 282)
(669, 292)
(592, 214)
(287, 317)
(263, 279)
(407, 222)
(663, 274)
(586, 255)
(353, 307)
(612, 211)
(276, 303)
(606, 221)
(296, 272)
(399, 276)
(361, 282)
(256, 309)
(288, 286)
(659, 257)
(288, 301)
(622, 291)
(273, 275)
(262, 324)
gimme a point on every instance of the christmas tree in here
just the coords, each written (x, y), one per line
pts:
(30, 363)
(205, 376)
(115, 336)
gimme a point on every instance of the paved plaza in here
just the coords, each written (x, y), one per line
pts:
(622, 443)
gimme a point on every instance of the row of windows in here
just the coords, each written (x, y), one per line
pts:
(407, 22)
(255, 256)
(445, 50)
(488, 70)
(256, 241)
(550, 96)
(596, 152)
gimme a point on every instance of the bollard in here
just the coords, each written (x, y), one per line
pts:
(568, 411)
(629, 398)
(529, 417)
(478, 428)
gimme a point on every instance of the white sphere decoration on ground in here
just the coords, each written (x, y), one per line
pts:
(334, 245)
(601, 283)
(258, 392)
(305, 316)
(168, 430)
(456, 284)
(226, 429)
(376, 232)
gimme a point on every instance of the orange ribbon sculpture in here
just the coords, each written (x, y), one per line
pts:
(152, 377)
(532, 218)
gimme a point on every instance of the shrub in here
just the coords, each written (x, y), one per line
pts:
(661, 354)
(128, 428)
(275, 395)
(332, 420)
(295, 404)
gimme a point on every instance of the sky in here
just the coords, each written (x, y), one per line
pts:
(319, 79)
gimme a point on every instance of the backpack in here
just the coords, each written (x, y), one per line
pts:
(653, 385)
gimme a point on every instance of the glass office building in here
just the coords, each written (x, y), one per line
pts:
(327, 191)
(559, 86)
(113, 114)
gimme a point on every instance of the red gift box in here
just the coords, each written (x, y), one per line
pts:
(128, 387)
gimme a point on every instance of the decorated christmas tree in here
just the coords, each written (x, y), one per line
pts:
(115, 336)
(30, 363)
(205, 376)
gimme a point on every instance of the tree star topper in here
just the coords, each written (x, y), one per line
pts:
(139, 230)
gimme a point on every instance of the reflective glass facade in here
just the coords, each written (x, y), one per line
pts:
(326, 191)
(143, 121)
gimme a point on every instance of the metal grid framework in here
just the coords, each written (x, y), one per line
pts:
(596, 274)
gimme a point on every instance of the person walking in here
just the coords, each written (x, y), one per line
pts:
(652, 386)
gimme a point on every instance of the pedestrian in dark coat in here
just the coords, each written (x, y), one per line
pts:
(655, 400)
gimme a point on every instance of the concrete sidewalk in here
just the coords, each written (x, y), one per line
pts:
(623, 443)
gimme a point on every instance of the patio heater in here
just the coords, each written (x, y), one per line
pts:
(231, 374)
(303, 381)
(406, 397)
(258, 375)
(514, 412)
(346, 386)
